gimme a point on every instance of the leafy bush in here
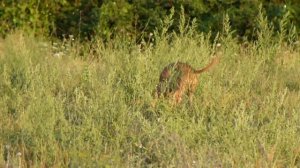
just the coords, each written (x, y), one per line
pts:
(87, 19)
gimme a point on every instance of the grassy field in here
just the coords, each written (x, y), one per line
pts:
(90, 105)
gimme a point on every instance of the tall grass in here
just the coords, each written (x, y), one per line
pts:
(92, 106)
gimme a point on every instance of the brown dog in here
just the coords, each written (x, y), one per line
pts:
(179, 79)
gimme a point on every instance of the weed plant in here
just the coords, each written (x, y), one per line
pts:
(92, 105)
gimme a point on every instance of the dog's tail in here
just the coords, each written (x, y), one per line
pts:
(213, 62)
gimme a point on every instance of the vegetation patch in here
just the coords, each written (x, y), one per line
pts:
(73, 104)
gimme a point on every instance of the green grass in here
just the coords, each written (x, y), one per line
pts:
(92, 107)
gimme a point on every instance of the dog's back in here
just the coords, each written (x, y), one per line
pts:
(178, 79)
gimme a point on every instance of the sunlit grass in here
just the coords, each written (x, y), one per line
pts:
(92, 106)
